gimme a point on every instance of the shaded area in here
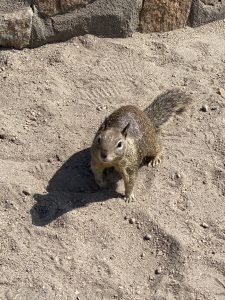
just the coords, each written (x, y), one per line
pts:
(71, 187)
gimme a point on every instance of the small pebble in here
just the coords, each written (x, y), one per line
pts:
(56, 259)
(33, 118)
(204, 108)
(204, 225)
(215, 108)
(58, 157)
(26, 192)
(13, 139)
(132, 220)
(142, 255)
(151, 278)
(221, 92)
(2, 136)
(138, 226)
(158, 271)
(147, 237)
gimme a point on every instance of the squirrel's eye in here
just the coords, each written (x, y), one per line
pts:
(99, 140)
(119, 145)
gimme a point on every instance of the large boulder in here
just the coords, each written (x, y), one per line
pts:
(164, 15)
(15, 23)
(54, 7)
(7, 6)
(205, 11)
(32, 23)
(108, 18)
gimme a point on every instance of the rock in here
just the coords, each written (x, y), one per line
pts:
(53, 7)
(147, 237)
(26, 192)
(132, 220)
(204, 108)
(204, 225)
(221, 92)
(158, 271)
(31, 23)
(217, 108)
(205, 11)
(15, 28)
(177, 175)
(106, 18)
(157, 16)
(58, 157)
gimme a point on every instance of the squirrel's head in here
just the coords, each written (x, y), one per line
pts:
(110, 143)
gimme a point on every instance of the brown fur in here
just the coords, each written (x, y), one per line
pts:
(136, 131)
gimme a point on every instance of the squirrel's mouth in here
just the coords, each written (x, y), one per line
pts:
(105, 158)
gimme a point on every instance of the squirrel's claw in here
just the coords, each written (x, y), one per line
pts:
(155, 161)
(129, 198)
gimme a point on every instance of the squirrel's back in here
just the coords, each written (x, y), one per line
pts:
(129, 114)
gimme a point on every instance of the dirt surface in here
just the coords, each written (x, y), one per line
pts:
(61, 237)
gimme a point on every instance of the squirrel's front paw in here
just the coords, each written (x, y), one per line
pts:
(129, 198)
(156, 160)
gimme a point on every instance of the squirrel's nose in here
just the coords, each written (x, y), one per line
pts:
(103, 156)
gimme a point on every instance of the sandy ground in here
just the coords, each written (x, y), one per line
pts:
(61, 237)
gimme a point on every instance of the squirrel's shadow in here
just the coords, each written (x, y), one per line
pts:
(71, 187)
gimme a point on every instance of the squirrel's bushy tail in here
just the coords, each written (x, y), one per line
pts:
(166, 105)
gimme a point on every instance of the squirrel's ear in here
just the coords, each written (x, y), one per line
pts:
(124, 131)
(104, 125)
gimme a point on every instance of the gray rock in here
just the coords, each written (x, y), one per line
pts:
(204, 108)
(132, 220)
(147, 237)
(102, 18)
(205, 11)
(31, 23)
(158, 271)
(9, 6)
(204, 225)
(54, 7)
(15, 28)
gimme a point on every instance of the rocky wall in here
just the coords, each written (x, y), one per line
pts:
(31, 23)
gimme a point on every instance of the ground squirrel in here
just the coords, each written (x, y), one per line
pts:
(129, 138)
